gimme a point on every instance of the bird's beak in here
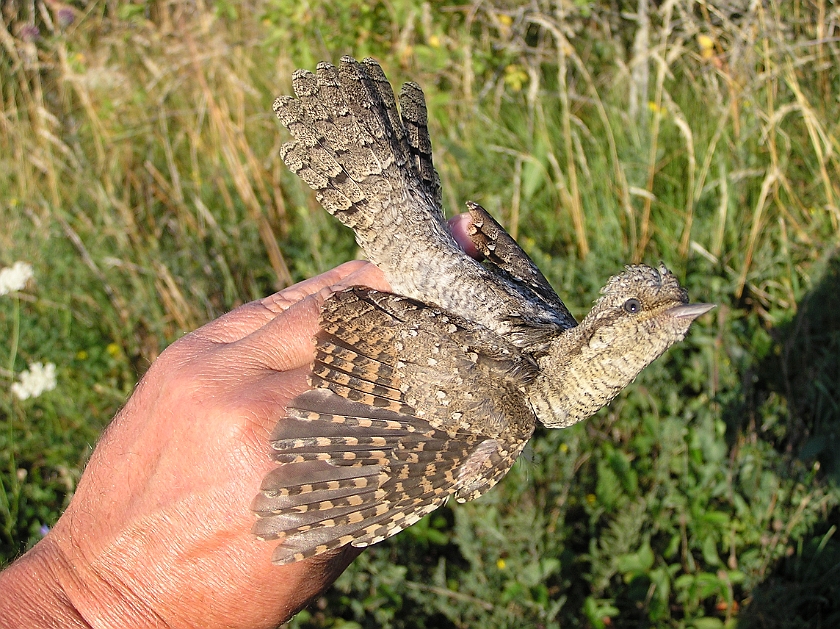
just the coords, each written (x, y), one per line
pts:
(689, 311)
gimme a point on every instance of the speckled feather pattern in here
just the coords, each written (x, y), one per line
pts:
(432, 392)
(400, 394)
(371, 167)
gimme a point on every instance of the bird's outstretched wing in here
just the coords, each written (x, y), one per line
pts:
(384, 437)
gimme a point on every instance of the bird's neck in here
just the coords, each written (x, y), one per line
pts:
(584, 369)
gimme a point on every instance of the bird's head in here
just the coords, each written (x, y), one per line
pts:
(640, 314)
(644, 307)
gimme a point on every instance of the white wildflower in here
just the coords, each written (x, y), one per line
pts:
(34, 381)
(14, 278)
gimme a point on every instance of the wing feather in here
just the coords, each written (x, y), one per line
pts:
(375, 446)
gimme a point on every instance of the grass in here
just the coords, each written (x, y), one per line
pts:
(141, 178)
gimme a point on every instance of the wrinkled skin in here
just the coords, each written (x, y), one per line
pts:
(160, 522)
(158, 533)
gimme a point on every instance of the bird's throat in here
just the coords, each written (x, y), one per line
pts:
(582, 372)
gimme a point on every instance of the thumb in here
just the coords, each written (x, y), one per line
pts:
(239, 323)
(285, 342)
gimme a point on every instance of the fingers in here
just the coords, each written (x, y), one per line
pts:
(353, 273)
(285, 342)
(250, 317)
(246, 319)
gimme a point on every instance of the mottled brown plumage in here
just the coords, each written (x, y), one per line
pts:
(433, 391)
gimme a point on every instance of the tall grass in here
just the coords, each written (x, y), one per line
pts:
(141, 178)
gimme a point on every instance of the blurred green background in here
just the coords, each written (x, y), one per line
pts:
(140, 176)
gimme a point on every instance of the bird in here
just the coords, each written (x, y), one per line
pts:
(430, 392)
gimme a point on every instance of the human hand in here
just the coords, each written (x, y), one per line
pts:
(158, 532)
(159, 529)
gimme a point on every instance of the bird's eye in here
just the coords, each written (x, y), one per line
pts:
(632, 305)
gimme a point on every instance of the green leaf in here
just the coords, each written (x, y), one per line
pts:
(608, 488)
(128, 12)
(710, 554)
(637, 563)
(533, 177)
(598, 610)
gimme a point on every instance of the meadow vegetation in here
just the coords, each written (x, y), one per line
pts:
(140, 177)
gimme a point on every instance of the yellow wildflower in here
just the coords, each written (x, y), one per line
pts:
(707, 46)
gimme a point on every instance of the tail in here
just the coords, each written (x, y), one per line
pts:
(371, 167)
(368, 163)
